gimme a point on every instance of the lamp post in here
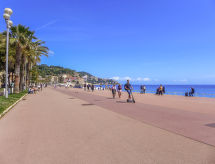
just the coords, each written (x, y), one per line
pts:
(7, 13)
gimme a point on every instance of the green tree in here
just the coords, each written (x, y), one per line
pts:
(34, 75)
(25, 52)
(18, 39)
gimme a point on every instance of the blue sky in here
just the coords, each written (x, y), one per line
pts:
(151, 42)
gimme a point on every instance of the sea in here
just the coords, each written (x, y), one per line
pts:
(200, 90)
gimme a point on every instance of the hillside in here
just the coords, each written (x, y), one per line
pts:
(45, 70)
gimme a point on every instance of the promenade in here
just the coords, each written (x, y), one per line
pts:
(70, 126)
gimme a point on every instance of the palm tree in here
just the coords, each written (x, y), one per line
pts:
(2, 52)
(11, 57)
(25, 52)
(19, 39)
(29, 35)
(28, 53)
(33, 58)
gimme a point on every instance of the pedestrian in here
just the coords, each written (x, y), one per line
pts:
(157, 91)
(191, 93)
(164, 91)
(85, 86)
(160, 91)
(92, 87)
(119, 89)
(143, 89)
(114, 91)
(88, 87)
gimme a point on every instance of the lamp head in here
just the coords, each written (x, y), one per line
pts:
(8, 11)
(10, 23)
(6, 16)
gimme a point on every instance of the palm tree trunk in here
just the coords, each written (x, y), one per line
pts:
(12, 77)
(17, 68)
(28, 74)
(21, 77)
(22, 73)
(9, 84)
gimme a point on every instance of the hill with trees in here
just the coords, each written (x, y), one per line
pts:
(45, 70)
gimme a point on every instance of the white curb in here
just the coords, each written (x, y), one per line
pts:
(10, 107)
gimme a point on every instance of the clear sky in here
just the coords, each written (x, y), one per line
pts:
(149, 41)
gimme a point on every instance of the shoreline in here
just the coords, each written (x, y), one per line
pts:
(136, 92)
(178, 91)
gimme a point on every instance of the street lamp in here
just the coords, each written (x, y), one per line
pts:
(7, 13)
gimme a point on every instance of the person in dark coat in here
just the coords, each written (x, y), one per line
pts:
(191, 93)
(92, 87)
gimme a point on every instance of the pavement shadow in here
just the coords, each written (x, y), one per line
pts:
(87, 104)
(121, 101)
(212, 125)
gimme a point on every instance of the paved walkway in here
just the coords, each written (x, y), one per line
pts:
(57, 128)
(180, 120)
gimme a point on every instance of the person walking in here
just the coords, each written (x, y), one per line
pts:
(92, 87)
(85, 87)
(143, 89)
(119, 90)
(164, 90)
(88, 87)
(160, 91)
(114, 91)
